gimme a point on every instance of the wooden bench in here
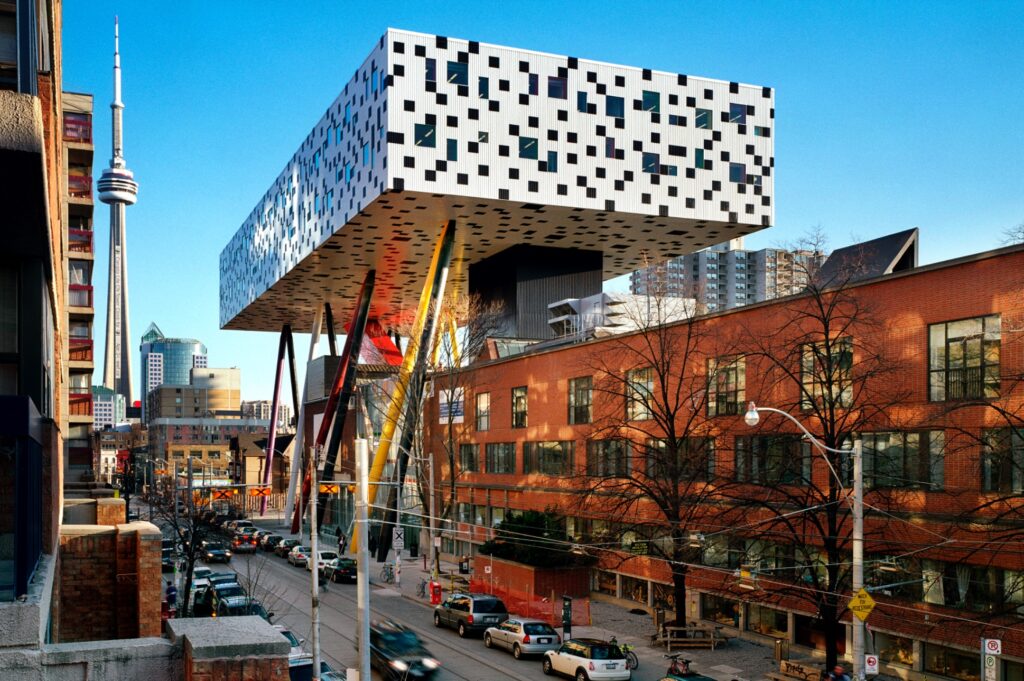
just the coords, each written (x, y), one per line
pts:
(692, 636)
(795, 671)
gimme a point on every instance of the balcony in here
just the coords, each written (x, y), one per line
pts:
(80, 350)
(80, 404)
(78, 128)
(79, 186)
(79, 295)
(80, 240)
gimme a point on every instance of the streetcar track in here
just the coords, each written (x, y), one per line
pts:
(301, 584)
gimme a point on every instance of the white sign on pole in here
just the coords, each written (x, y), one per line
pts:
(990, 667)
(487, 569)
(993, 646)
(437, 542)
(871, 664)
(398, 538)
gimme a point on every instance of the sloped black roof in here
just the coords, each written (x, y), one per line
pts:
(884, 255)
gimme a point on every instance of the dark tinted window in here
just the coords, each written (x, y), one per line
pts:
(399, 640)
(606, 652)
(230, 591)
(539, 628)
(489, 605)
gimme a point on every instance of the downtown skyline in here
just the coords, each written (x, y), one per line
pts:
(881, 121)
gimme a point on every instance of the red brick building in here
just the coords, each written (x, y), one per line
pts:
(924, 366)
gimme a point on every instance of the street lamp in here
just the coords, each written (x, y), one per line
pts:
(752, 418)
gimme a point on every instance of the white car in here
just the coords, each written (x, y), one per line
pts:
(588, 658)
(325, 557)
(523, 637)
(296, 643)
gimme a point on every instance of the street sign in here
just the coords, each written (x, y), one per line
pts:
(259, 491)
(993, 646)
(991, 667)
(221, 494)
(329, 488)
(861, 604)
(398, 538)
(871, 664)
(487, 569)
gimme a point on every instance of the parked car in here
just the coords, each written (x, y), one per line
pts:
(523, 637)
(397, 652)
(216, 578)
(340, 570)
(588, 658)
(322, 561)
(293, 640)
(258, 535)
(200, 578)
(223, 596)
(298, 555)
(243, 542)
(285, 546)
(215, 551)
(167, 555)
(237, 606)
(270, 541)
(470, 613)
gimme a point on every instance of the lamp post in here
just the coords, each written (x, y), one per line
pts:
(752, 418)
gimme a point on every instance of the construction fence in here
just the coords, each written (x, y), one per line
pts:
(547, 607)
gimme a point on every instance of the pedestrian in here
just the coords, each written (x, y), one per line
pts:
(838, 674)
(341, 541)
(172, 595)
(373, 544)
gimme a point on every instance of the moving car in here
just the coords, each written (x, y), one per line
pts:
(523, 637)
(285, 546)
(399, 654)
(340, 570)
(270, 541)
(325, 556)
(298, 555)
(588, 658)
(243, 542)
(215, 551)
(470, 613)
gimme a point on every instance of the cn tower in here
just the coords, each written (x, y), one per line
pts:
(117, 188)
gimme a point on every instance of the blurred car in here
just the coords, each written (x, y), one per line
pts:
(133, 516)
(588, 658)
(243, 542)
(220, 596)
(258, 535)
(298, 555)
(293, 640)
(340, 570)
(167, 555)
(237, 606)
(285, 546)
(470, 613)
(397, 652)
(216, 578)
(215, 551)
(270, 541)
(322, 560)
(200, 578)
(523, 637)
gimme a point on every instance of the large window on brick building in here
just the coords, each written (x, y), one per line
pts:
(639, 393)
(581, 392)
(1002, 460)
(548, 458)
(772, 459)
(519, 407)
(727, 383)
(608, 458)
(693, 459)
(483, 411)
(469, 454)
(500, 457)
(825, 373)
(963, 359)
(904, 459)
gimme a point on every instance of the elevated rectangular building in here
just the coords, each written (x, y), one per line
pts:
(584, 167)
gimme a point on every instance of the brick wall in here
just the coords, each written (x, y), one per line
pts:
(109, 582)
(252, 669)
(110, 511)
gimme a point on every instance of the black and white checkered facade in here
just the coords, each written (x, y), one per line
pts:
(519, 147)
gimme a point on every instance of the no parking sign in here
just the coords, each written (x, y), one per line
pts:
(871, 664)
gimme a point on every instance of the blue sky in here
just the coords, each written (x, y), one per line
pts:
(888, 116)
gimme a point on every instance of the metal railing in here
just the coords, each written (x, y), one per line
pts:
(80, 404)
(80, 240)
(80, 186)
(964, 383)
(80, 350)
(79, 295)
(77, 128)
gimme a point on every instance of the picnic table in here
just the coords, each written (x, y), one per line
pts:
(692, 635)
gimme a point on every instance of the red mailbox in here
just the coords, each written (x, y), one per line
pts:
(435, 593)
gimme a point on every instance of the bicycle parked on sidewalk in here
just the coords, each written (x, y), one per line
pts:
(387, 573)
(679, 669)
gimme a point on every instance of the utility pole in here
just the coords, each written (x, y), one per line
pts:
(433, 515)
(858, 555)
(363, 556)
(314, 565)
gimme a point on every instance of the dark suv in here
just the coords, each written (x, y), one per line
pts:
(399, 654)
(470, 613)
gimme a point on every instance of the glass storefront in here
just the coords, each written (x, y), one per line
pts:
(634, 589)
(718, 609)
(957, 664)
(811, 633)
(605, 582)
(664, 597)
(894, 649)
(767, 621)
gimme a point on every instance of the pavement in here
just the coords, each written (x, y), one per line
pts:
(739, 659)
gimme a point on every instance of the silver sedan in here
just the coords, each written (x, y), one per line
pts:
(523, 637)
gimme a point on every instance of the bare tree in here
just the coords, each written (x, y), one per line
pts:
(650, 473)
(1014, 235)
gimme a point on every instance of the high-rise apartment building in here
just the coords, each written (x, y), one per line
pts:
(726, 275)
(78, 207)
(260, 409)
(167, 360)
(108, 407)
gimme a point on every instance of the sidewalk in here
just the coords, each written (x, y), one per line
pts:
(739, 659)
